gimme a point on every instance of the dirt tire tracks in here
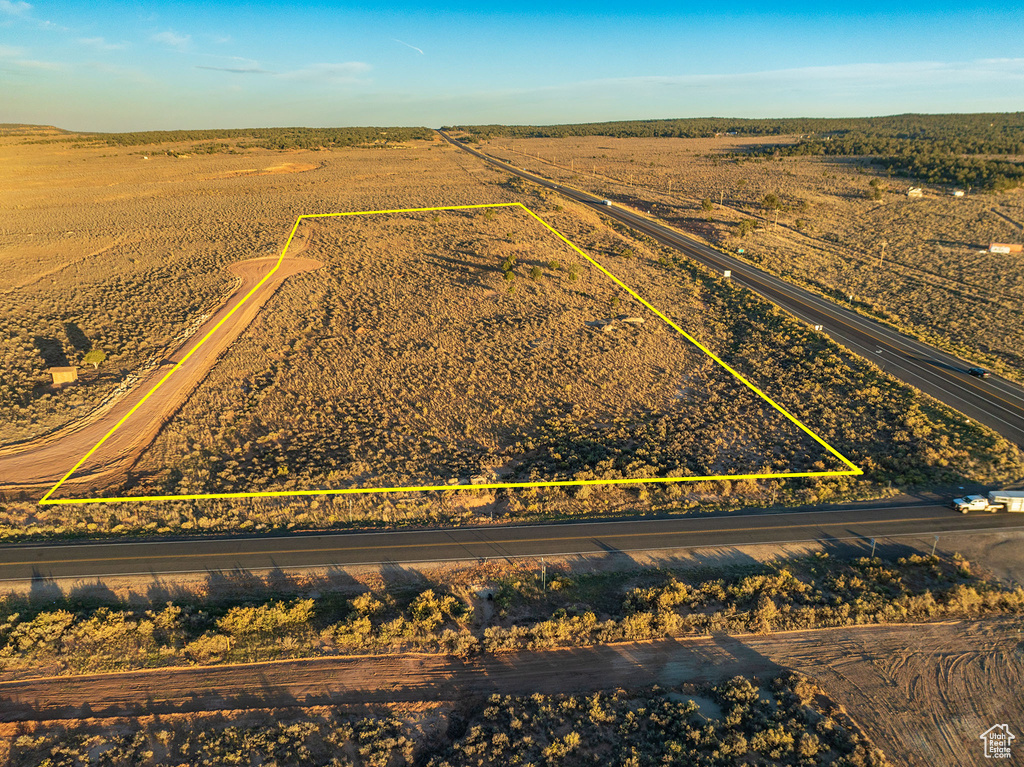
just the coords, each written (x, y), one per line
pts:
(951, 680)
(38, 465)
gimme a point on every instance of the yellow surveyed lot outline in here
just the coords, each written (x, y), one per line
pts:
(852, 470)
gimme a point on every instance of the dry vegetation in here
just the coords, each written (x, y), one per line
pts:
(122, 251)
(241, 618)
(436, 348)
(781, 721)
(932, 279)
(412, 357)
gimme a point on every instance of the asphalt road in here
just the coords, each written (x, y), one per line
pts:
(995, 402)
(163, 558)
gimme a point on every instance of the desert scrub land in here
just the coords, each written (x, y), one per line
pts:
(839, 224)
(892, 431)
(781, 721)
(440, 347)
(468, 344)
(299, 403)
(495, 608)
(123, 249)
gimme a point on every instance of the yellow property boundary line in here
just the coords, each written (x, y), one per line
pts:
(851, 471)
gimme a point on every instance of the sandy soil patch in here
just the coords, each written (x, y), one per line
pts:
(270, 170)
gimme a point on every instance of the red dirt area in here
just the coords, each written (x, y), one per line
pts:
(37, 465)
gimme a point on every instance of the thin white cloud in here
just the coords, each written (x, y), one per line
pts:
(50, 66)
(866, 75)
(101, 44)
(7, 51)
(347, 72)
(17, 8)
(254, 70)
(395, 39)
(126, 73)
(172, 38)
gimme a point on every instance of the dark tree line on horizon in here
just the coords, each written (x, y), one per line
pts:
(940, 149)
(265, 138)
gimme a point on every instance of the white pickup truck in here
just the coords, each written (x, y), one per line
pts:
(996, 500)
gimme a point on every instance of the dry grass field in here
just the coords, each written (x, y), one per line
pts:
(916, 263)
(103, 248)
(411, 356)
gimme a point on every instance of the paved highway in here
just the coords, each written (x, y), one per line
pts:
(164, 558)
(995, 402)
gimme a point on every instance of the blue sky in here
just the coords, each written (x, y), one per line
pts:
(140, 66)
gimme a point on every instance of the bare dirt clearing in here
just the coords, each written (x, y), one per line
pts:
(270, 170)
(924, 693)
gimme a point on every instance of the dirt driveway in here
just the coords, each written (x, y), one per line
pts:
(923, 693)
(37, 465)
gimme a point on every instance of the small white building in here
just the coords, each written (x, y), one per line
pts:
(958, 192)
(915, 191)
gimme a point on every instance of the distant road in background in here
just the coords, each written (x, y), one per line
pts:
(995, 402)
(156, 558)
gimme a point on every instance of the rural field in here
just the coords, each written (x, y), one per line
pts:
(817, 655)
(920, 264)
(125, 249)
(405, 348)
(447, 347)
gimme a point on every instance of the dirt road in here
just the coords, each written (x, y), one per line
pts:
(37, 465)
(923, 693)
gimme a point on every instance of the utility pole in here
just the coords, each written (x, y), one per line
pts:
(776, 224)
(544, 574)
(881, 253)
(721, 197)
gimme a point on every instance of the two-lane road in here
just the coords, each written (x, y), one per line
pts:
(995, 402)
(164, 558)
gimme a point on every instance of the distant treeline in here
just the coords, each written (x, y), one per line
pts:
(968, 133)
(266, 138)
(23, 129)
(934, 148)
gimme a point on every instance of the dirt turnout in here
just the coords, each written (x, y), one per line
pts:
(923, 693)
(40, 463)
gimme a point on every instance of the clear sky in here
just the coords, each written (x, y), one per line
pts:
(120, 66)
